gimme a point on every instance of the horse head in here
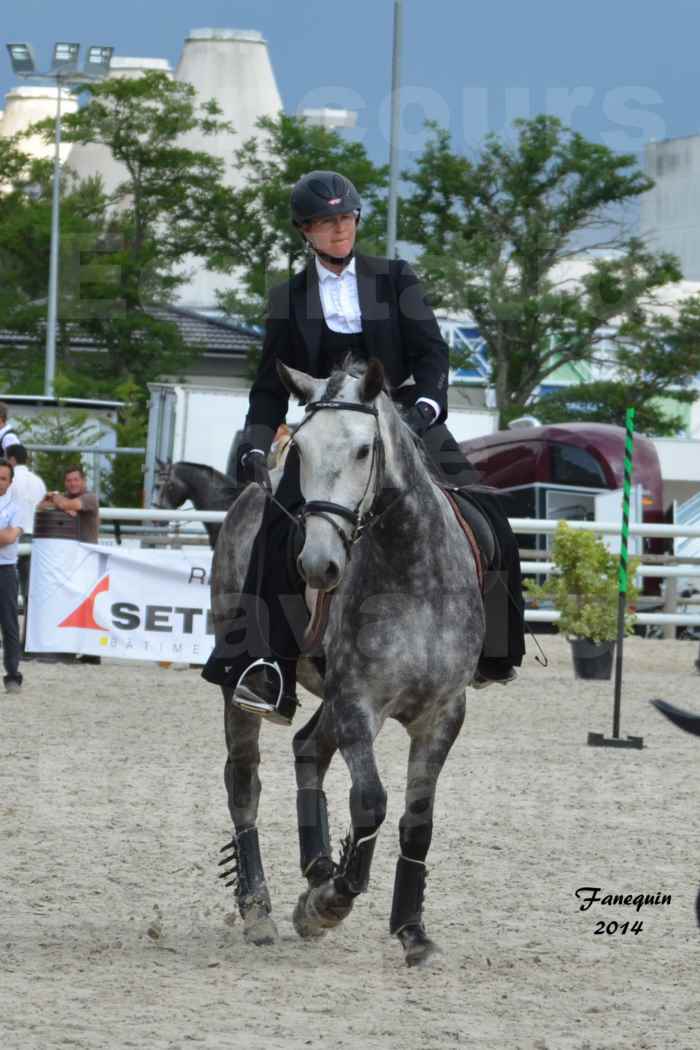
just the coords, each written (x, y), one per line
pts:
(341, 455)
(169, 491)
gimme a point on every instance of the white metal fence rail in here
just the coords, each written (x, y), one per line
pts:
(528, 525)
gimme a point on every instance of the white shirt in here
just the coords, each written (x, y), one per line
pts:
(27, 489)
(340, 301)
(339, 298)
(8, 437)
(9, 518)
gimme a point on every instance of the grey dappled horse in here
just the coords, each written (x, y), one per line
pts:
(205, 487)
(404, 634)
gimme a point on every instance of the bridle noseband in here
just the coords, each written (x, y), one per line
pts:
(324, 508)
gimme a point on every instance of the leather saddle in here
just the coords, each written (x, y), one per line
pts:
(479, 531)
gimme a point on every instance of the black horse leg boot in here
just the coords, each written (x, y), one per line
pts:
(246, 875)
(314, 837)
(407, 910)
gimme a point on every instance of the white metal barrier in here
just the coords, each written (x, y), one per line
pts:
(529, 525)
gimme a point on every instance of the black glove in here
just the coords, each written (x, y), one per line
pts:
(252, 467)
(420, 417)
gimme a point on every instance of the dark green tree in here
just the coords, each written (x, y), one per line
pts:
(260, 244)
(500, 235)
(163, 211)
(25, 231)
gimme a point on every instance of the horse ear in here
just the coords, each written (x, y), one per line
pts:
(372, 382)
(299, 384)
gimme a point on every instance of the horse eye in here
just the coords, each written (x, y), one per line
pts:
(363, 452)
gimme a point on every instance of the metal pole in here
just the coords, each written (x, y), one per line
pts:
(597, 739)
(394, 134)
(622, 585)
(50, 368)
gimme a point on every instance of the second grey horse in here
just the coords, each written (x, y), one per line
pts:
(402, 641)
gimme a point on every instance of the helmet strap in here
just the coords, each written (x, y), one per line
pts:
(342, 260)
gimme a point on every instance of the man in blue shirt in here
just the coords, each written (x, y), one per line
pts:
(10, 532)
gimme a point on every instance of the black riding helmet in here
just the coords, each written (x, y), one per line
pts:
(322, 193)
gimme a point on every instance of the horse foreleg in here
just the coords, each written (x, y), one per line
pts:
(242, 861)
(430, 747)
(314, 747)
(326, 904)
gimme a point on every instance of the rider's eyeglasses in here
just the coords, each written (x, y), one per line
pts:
(329, 221)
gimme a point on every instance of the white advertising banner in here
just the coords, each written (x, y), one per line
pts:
(120, 601)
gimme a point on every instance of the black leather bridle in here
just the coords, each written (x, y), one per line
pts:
(324, 508)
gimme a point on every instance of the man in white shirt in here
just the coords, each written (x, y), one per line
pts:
(10, 532)
(8, 437)
(27, 490)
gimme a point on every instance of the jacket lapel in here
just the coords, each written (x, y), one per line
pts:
(367, 294)
(309, 314)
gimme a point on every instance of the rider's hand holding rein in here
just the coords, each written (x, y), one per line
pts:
(253, 468)
(420, 417)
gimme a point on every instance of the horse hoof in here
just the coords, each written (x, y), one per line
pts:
(307, 928)
(417, 946)
(259, 929)
(322, 908)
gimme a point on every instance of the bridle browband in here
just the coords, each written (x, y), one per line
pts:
(324, 508)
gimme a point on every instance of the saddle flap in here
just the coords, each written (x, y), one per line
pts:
(477, 530)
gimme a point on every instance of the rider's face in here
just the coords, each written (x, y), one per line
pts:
(334, 234)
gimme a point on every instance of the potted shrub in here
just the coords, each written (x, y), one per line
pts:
(585, 591)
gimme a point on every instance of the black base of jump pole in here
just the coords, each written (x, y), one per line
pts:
(598, 740)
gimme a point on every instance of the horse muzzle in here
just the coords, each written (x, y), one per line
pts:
(320, 570)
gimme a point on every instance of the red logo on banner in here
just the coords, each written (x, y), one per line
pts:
(83, 615)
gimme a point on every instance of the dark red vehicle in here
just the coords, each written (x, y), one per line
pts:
(556, 472)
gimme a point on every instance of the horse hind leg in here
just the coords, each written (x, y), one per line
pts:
(427, 756)
(242, 860)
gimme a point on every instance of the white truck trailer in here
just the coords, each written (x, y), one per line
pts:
(200, 423)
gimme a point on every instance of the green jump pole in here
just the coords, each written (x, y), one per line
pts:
(597, 738)
(622, 576)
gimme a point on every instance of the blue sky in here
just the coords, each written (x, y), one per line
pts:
(619, 71)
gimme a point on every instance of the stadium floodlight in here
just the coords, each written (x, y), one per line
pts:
(97, 60)
(65, 58)
(328, 117)
(22, 59)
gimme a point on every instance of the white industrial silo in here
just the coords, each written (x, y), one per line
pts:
(96, 159)
(25, 106)
(233, 67)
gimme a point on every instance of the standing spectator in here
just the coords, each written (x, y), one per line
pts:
(10, 531)
(8, 437)
(78, 502)
(27, 490)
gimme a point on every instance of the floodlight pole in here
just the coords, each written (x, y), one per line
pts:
(96, 68)
(52, 316)
(392, 213)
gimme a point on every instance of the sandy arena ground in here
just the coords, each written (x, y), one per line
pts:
(116, 933)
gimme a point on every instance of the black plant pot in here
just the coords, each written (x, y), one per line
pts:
(592, 659)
